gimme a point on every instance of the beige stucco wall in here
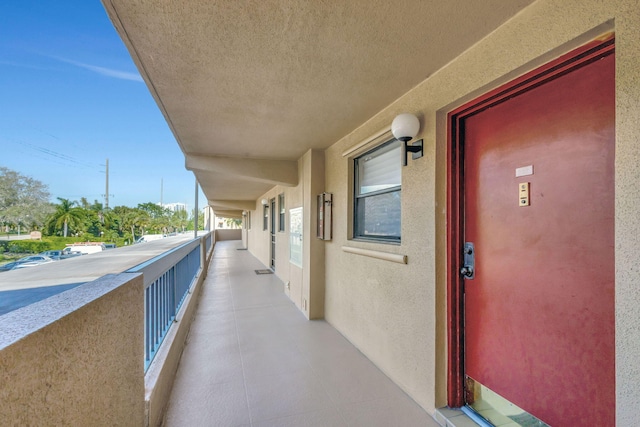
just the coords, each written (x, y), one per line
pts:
(228, 234)
(303, 285)
(76, 359)
(259, 239)
(313, 274)
(396, 314)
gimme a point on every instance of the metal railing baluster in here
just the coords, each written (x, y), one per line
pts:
(168, 279)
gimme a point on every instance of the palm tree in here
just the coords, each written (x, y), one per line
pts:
(180, 219)
(233, 222)
(67, 215)
(133, 218)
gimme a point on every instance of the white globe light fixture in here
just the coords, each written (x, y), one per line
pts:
(404, 128)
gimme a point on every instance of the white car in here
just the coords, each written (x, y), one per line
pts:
(35, 258)
(27, 265)
(32, 261)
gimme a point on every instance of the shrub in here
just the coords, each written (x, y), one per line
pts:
(28, 246)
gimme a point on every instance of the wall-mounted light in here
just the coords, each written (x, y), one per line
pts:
(244, 213)
(264, 202)
(404, 128)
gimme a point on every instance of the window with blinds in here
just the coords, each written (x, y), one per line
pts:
(378, 179)
(265, 217)
(281, 212)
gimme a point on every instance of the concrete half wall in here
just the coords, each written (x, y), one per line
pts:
(76, 359)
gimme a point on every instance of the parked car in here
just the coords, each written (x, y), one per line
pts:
(58, 255)
(150, 238)
(28, 261)
(9, 266)
(55, 255)
(29, 264)
(40, 259)
(85, 247)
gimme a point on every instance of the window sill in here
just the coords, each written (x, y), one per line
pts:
(376, 241)
(399, 258)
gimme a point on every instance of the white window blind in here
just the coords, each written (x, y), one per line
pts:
(380, 170)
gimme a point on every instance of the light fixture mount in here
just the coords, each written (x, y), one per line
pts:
(404, 128)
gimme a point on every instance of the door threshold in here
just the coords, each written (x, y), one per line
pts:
(457, 417)
(465, 417)
(494, 410)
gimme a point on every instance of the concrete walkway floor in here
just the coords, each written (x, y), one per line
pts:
(252, 359)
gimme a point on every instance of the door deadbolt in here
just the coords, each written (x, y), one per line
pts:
(468, 261)
(467, 272)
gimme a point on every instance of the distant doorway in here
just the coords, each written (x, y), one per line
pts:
(272, 231)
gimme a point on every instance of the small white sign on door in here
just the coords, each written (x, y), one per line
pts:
(524, 171)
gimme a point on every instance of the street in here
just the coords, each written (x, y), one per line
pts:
(28, 285)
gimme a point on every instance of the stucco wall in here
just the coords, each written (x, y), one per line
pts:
(304, 285)
(228, 234)
(77, 358)
(395, 314)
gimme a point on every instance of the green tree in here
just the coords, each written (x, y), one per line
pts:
(66, 216)
(23, 200)
(153, 210)
(200, 221)
(180, 220)
(233, 222)
(130, 219)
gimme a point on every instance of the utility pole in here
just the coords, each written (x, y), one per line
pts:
(106, 193)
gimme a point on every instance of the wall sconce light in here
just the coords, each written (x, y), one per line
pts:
(244, 213)
(264, 202)
(404, 128)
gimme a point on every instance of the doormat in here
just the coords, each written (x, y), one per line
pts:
(241, 249)
(266, 271)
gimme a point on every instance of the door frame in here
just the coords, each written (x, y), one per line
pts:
(589, 52)
(272, 234)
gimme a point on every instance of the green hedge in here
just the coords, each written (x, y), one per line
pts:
(28, 246)
(37, 246)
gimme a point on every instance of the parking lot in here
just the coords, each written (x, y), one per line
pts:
(28, 285)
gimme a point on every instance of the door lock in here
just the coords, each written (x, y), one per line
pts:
(467, 272)
(469, 261)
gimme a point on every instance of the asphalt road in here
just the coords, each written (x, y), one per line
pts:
(28, 285)
(88, 267)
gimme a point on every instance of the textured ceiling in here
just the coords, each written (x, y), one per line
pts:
(270, 79)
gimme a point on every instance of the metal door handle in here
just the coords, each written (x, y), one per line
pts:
(467, 271)
(468, 261)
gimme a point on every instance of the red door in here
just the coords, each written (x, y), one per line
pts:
(539, 313)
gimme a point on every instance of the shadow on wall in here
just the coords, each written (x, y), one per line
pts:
(228, 234)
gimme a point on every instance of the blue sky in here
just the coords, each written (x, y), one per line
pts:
(71, 97)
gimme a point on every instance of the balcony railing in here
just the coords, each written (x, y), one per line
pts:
(168, 278)
(111, 329)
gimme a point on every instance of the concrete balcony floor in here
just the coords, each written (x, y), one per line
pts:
(252, 359)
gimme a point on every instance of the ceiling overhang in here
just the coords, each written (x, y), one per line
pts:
(274, 172)
(247, 87)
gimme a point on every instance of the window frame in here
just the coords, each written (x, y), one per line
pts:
(358, 198)
(281, 213)
(265, 217)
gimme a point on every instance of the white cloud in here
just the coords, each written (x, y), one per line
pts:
(109, 72)
(124, 75)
